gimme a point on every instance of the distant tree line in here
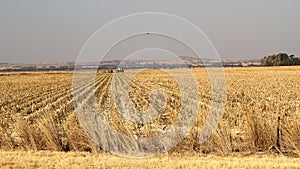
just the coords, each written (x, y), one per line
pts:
(35, 68)
(281, 59)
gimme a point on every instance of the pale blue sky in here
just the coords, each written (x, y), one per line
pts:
(55, 30)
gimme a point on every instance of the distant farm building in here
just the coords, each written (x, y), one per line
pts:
(120, 69)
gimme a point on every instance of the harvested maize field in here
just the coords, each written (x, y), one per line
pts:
(261, 113)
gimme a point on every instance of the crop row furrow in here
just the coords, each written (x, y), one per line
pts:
(60, 101)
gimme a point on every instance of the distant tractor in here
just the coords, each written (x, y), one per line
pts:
(110, 71)
(120, 69)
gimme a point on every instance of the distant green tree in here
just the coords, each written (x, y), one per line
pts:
(281, 59)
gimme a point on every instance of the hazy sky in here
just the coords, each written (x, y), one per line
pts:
(55, 30)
